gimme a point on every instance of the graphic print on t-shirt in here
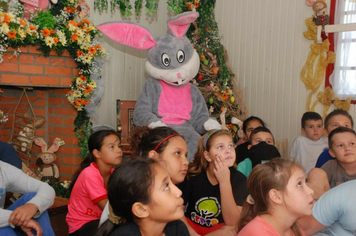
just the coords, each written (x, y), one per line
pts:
(206, 209)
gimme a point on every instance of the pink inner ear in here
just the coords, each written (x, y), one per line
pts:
(129, 34)
(180, 25)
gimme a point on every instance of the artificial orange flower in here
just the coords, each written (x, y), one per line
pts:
(225, 96)
(12, 34)
(70, 9)
(72, 23)
(55, 40)
(45, 32)
(79, 53)
(196, 4)
(86, 21)
(189, 5)
(52, 31)
(32, 27)
(79, 23)
(74, 37)
(23, 23)
(82, 77)
(71, 92)
(92, 50)
(7, 18)
(87, 89)
(98, 47)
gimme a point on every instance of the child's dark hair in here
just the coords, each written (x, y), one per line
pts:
(339, 130)
(95, 141)
(260, 129)
(337, 112)
(273, 174)
(131, 182)
(251, 118)
(144, 139)
(310, 115)
(200, 163)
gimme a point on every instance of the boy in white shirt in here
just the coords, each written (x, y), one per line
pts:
(306, 148)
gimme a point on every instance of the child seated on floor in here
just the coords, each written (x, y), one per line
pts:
(261, 149)
(248, 126)
(342, 146)
(88, 194)
(144, 201)
(306, 148)
(278, 197)
(213, 190)
(336, 118)
(28, 213)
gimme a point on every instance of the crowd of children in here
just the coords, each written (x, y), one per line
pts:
(226, 190)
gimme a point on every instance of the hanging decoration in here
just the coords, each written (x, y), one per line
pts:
(313, 71)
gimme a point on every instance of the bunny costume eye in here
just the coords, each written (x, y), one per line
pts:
(180, 56)
(166, 61)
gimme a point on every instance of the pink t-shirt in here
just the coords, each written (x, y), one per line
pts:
(259, 226)
(88, 190)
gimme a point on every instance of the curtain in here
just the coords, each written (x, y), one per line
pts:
(343, 79)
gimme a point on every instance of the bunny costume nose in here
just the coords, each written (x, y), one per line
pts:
(179, 75)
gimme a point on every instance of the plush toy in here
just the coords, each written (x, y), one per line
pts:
(167, 98)
(26, 134)
(47, 169)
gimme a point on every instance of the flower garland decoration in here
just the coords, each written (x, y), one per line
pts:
(62, 27)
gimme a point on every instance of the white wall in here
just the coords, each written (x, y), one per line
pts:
(266, 47)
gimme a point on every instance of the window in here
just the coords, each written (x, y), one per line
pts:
(343, 78)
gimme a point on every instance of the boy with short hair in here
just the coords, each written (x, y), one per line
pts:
(260, 149)
(306, 148)
(342, 146)
(336, 118)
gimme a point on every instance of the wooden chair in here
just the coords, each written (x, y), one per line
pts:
(125, 123)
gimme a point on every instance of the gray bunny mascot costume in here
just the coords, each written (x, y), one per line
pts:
(167, 98)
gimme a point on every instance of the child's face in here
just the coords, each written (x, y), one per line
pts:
(298, 197)
(262, 137)
(344, 147)
(166, 203)
(338, 121)
(174, 159)
(224, 147)
(313, 129)
(110, 152)
(253, 124)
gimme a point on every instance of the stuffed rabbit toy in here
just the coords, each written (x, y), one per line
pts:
(48, 170)
(167, 98)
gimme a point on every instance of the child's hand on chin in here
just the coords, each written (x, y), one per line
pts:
(221, 170)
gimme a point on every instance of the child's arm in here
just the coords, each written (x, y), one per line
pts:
(318, 181)
(230, 211)
(102, 203)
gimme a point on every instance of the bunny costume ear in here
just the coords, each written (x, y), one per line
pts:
(40, 142)
(179, 24)
(129, 34)
(55, 145)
